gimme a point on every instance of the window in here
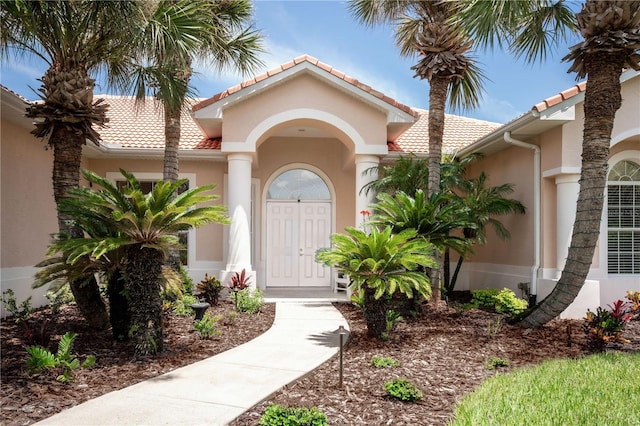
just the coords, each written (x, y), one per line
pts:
(623, 218)
(298, 184)
(183, 236)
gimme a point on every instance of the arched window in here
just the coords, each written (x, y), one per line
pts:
(623, 218)
(298, 184)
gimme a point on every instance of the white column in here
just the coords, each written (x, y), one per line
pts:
(363, 201)
(567, 189)
(239, 204)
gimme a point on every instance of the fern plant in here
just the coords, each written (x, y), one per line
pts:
(41, 359)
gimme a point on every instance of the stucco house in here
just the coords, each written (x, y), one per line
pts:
(287, 150)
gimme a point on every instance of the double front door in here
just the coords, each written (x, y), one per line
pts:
(295, 230)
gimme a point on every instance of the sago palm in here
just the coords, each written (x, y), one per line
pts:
(143, 228)
(611, 43)
(380, 263)
(75, 39)
(482, 204)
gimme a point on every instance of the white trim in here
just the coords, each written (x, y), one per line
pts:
(621, 137)
(560, 171)
(250, 145)
(215, 110)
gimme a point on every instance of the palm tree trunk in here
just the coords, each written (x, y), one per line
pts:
(67, 154)
(142, 271)
(602, 100)
(119, 315)
(375, 312)
(437, 101)
(172, 143)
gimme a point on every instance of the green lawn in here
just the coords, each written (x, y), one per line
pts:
(598, 390)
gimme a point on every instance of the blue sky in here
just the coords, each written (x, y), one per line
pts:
(326, 30)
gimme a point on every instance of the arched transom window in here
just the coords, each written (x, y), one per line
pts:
(623, 218)
(298, 184)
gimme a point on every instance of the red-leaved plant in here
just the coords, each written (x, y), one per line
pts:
(634, 304)
(239, 282)
(605, 326)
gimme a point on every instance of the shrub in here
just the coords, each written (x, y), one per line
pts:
(277, 415)
(248, 300)
(508, 303)
(206, 327)
(40, 359)
(392, 319)
(182, 306)
(605, 326)
(403, 389)
(209, 288)
(484, 297)
(383, 362)
(494, 362)
(502, 301)
(58, 299)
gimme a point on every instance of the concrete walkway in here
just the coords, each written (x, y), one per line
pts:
(217, 390)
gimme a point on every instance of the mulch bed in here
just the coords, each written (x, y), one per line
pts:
(26, 399)
(444, 352)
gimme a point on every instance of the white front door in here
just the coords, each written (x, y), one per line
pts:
(295, 230)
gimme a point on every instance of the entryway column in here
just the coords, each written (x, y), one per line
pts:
(363, 201)
(239, 196)
(567, 189)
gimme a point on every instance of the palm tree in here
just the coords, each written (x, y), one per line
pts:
(611, 33)
(142, 227)
(426, 29)
(75, 39)
(482, 205)
(177, 34)
(380, 264)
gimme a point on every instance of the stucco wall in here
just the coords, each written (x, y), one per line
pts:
(28, 215)
(515, 166)
(304, 92)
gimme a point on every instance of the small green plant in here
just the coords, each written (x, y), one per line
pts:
(383, 362)
(187, 282)
(403, 389)
(209, 289)
(59, 298)
(41, 359)
(494, 362)
(494, 326)
(230, 318)
(278, 415)
(206, 327)
(182, 307)
(33, 333)
(249, 300)
(634, 304)
(605, 326)
(357, 298)
(239, 281)
(20, 313)
(392, 319)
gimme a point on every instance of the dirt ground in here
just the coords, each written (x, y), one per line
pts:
(443, 352)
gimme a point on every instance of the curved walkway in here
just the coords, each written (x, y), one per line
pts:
(218, 389)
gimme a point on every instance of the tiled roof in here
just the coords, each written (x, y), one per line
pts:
(16, 94)
(313, 61)
(142, 126)
(458, 133)
(560, 97)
